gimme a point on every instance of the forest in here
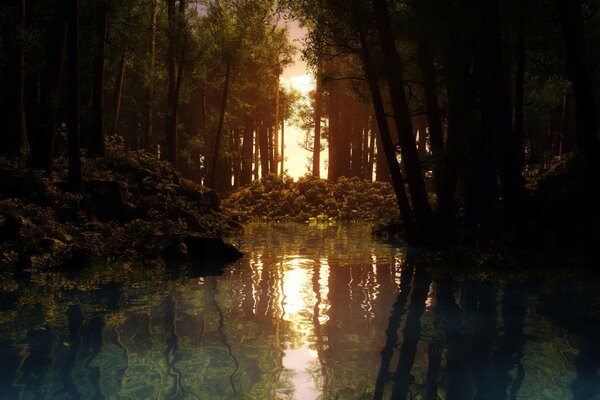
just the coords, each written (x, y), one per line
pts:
(157, 239)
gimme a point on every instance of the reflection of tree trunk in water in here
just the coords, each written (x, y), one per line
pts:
(171, 352)
(321, 346)
(35, 358)
(391, 333)
(221, 329)
(116, 340)
(510, 349)
(447, 317)
(91, 335)
(75, 320)
(411, 334)
(434, 359)
(264, 305)
(484, 320)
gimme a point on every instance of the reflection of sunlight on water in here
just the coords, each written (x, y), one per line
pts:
(300, 361)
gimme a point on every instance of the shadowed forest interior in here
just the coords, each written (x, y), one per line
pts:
(315, 199)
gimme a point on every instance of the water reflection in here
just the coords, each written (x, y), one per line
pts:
(309, 314)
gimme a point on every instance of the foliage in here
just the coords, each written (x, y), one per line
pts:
(281, 199)
(41, 225)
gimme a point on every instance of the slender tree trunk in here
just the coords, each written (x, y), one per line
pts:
(316, 167)
(512, 184)
(385, 136)
(282, 146)
(365, 144)
(23, 145)
(356, 139)
(571, 21)
(215, 153)
(410, 158)
(44, 132)
(170, 115)
(520, 90)
(256, 149)
(275, 165)
(118, 94)
(247, 147)
(96, 141)
(149, 114)
(333, 132)
(263, 143)
(372, 135)
(434, 114)
(382, 172)
(74, 176)
(236, 159)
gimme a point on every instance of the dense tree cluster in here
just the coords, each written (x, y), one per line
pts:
(454, 99)
(466, 95)
(194, 81)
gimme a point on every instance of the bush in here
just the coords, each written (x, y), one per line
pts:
(281, 199)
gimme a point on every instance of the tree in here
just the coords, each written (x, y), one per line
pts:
(74, 177)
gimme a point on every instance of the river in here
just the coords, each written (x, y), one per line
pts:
(310, 312)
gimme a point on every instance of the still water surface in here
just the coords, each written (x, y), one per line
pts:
(309, 313)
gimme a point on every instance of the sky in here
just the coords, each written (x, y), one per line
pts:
(297, 76)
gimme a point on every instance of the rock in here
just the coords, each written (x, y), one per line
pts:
(200, 247)
(176, 251)
(209, 247)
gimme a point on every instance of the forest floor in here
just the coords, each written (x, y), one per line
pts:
(134, 207)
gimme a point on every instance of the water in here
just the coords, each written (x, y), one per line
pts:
(308, 313)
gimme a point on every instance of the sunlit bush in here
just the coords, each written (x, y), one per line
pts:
(281, 199)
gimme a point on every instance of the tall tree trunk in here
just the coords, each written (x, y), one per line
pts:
(171, 112)
(74, 176)
(520, 89)
(512, 184)
(275, 161)
(282, 146)
(372, 135)
(356, 139)
(257, 150)
(13, 141)
(365, 144)
(385, 136)
(23, 145)
(571, 21)
(316, 166)
(410, 158)
(263, 144)
(344, 142)
(382, 172)
(118, 93)
(215, 153)
(96, 141)
(247, 147)
(149, 112)
(334, 128)
(44, 132)
(434, 114)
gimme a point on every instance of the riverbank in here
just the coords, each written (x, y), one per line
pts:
(134, 207)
